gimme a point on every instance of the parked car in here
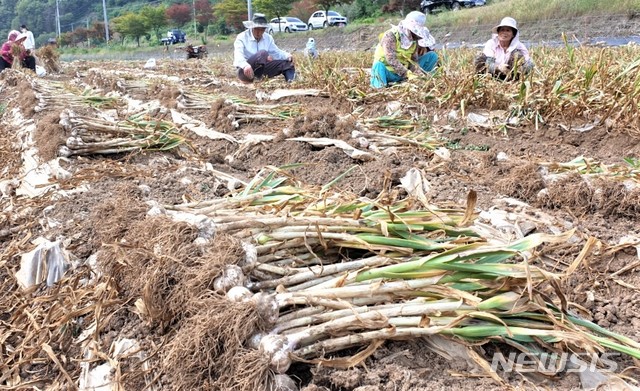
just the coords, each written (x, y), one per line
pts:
(430, 6)
(320, 19)
(174, 36)
(286, 24)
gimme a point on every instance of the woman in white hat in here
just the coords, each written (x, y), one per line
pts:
(255, 54)
(504, 56)
(398, 54)
(14, 48)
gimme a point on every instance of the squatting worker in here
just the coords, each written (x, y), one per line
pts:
(14, 47)
(504, 56)
(403, 52)
(256, 55)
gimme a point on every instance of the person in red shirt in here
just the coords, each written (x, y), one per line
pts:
(14, 47)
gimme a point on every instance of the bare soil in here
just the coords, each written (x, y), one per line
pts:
(111, 216)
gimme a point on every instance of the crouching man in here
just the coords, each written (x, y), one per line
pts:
(256, 55)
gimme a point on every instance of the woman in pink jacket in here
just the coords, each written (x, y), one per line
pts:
(504, 56)
(13, 45)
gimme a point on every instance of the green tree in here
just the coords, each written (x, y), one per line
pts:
(366, 8)
(7, 13)
(35, 14)
(131, 25)
(66, 20)
(219, 26)
(271, 8)
(155, 18)
(65, 39)
(233, 12)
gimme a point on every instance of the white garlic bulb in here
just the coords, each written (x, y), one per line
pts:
(231, 276)
(276, 347)
(239, 294)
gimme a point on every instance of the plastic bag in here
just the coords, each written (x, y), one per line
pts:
(47, 262)
(150, 64)
(40, 71)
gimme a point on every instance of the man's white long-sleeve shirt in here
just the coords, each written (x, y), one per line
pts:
(29, 43)
(246, 46)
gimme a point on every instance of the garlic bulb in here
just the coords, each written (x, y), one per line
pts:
(280, 361)
(267, 306)
(232, 275)
(238, 294)
(64, 151)
(277, 348)
(282, 382)
(254, 341)
(250, 255)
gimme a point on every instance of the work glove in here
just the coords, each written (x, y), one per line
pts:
(504, 68)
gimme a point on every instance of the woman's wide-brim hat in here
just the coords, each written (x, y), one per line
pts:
(21, 37)
(416, 23)
(13, 34)
(507, 22)
(259, 21)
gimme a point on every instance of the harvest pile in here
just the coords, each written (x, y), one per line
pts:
(196, 233)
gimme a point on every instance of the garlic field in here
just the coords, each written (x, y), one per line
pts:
(170, 228)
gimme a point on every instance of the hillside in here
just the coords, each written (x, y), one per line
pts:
(616, 29)
(39, 15)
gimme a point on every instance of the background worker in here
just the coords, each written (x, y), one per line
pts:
(256, 55)
(398, 58)
(504, 56)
